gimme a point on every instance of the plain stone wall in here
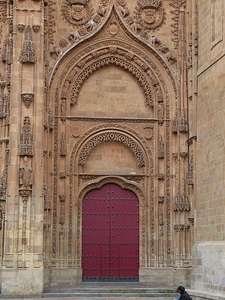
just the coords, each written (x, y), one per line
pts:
(209, 250)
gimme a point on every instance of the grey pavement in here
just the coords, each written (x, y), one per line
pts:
(105, 290)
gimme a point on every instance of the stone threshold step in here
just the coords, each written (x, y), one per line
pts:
(108, 295)
(105, 295)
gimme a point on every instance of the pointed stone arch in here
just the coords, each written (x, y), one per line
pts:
(124, 184)
(156, 82)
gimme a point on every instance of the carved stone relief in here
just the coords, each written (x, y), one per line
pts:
(77, 12)
(149, 140)
(28, 54)
(26, 139)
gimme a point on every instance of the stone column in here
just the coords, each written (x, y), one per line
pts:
(22, 270)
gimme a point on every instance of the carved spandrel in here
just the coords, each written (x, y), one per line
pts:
(148, 15)
(77, 12)
(163, 49)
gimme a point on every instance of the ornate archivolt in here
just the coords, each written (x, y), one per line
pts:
(105, 132)
(112, 136)
(115, 45)
(81, 149)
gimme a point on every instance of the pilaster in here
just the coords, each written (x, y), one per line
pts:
(22, 269)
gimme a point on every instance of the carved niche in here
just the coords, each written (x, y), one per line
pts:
(26, 139)
(28, 52)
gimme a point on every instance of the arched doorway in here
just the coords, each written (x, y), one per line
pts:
(110, 235)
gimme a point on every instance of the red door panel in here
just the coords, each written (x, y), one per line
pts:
(110, 235)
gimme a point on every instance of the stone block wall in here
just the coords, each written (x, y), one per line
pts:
(208, 251)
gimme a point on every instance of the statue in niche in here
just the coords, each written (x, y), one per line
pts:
(25, 178)
(49, 120)
(63, 109)
(160, 148)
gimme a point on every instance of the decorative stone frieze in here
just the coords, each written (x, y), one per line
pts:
(181, 227)
(181, 204)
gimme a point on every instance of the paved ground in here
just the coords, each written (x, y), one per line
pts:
(112, 291)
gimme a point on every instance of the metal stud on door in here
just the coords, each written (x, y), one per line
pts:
(110, 235)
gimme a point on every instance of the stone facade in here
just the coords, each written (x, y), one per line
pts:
(208, 251)
(111, 91)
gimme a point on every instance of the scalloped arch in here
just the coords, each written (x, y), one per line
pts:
(124, 185)
(111, 136)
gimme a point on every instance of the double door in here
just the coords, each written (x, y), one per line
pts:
(110, 235)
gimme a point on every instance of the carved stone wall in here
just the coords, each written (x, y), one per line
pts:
(81, 77)
(111, 46)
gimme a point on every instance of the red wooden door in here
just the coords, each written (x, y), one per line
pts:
(110, 235)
